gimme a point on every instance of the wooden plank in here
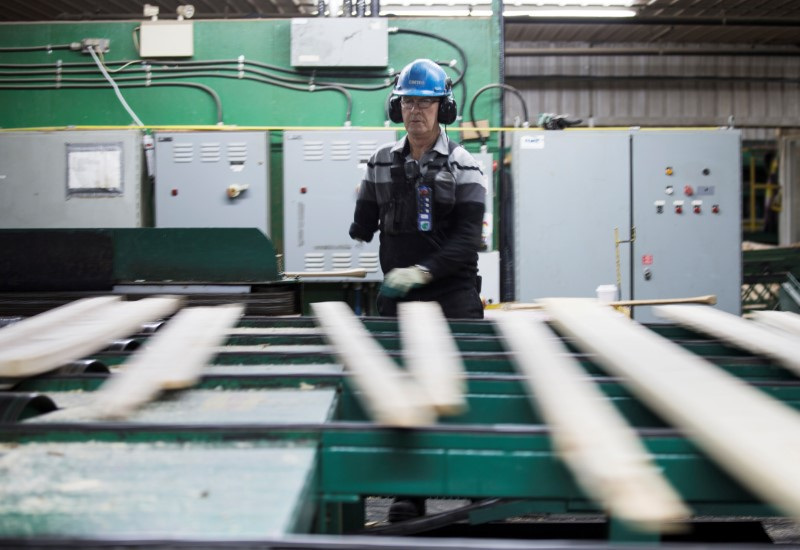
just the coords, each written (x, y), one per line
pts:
(737, 331)
(709, 299)
(589, 434)
(74, 337)
(172, 359)
(47, 321)
(754, 437)
(358, 273)
(387, 393)
(430, 354)
(784, 320)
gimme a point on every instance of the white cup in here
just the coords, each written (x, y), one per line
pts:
(607, 293)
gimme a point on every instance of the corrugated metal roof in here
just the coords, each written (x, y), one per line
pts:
(770, 22)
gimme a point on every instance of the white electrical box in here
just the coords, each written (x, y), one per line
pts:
(340, 42)
(166, 39)
(322, 170)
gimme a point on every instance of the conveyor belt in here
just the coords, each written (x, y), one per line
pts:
(290, 401)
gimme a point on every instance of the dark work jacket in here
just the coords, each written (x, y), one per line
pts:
(450, 250)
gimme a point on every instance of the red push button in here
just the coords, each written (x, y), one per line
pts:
(688, 191)
(715, 209)
(696, 209)
(174, 193)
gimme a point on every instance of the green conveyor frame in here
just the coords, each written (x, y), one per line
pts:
(498, 449)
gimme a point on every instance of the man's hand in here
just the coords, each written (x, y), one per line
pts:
(398, 282)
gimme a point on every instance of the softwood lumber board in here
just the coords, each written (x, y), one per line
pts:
(784, 320)
(753, 436)
(358, 273)
(172, 359)
(589, 434)
(737, 331)
(430, 354)
(387, 393)
(47, 321)
(75, 337)
(707, 299)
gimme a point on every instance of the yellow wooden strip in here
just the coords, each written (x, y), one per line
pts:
(431, 355)
(44, 322)
(600, 448)
(80, 335)
(172, 359)
(387, 393)
(784, 320)
(737, 331)
(754, 437)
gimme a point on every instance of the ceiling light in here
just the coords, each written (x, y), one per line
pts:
(400, 11)
(571, 12)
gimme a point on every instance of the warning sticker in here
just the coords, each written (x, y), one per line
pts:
(532, 142)
(647, 259)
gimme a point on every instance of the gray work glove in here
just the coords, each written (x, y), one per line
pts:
(552, 121)
(399, 281)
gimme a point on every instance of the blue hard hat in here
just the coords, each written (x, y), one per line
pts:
(422, 77)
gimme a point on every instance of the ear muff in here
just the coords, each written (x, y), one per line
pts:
(395, 110)
(448, 110)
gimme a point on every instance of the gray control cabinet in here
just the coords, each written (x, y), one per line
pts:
(321, 173)
(679, 189)
(571, 190)
(687, 213)
(72, 179)
(212, 179)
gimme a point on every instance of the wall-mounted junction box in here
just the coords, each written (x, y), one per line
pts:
(340, 42)
(166, 39)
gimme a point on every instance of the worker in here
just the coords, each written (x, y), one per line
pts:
(426, 195)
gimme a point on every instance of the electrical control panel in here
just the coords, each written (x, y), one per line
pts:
(656, 212)
(166, 39)
(322, 171)
(212, 179)
(73, 179)
(691, 246)
(340, 42)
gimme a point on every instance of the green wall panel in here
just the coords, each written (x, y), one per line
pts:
(245, 102)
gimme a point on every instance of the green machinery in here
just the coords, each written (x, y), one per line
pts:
(273, 450)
